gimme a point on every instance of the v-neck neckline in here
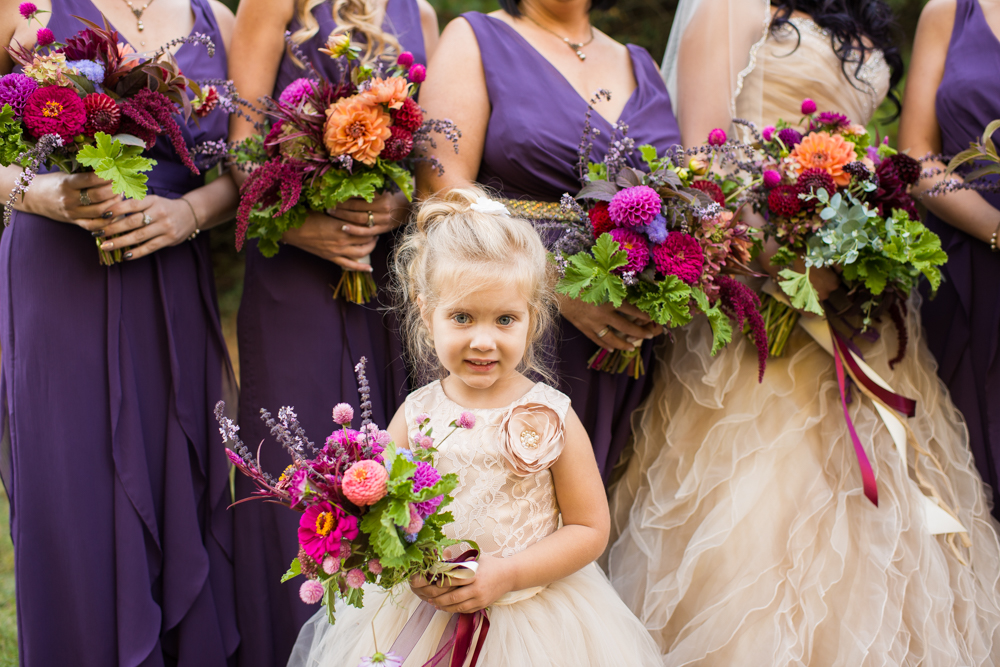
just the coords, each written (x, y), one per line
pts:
(562, 77)
(121, 35)
(986, 22)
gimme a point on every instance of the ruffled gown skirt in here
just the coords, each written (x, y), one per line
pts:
(743, 534)
(574, 622)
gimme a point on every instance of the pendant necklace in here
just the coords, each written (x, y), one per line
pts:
(576, 46)
(138, 15)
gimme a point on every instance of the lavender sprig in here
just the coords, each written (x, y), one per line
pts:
(586, 146)
(35, 157)
(365, 391)
(196, 38)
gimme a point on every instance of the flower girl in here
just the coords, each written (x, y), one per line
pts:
(477, 299)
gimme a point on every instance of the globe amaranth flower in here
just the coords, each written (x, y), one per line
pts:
(91, 70)
(635, 247)
(656, 230)
(398, 146)
(784, 200)
(423, 441)
(356, 128)
(405, 59)
(717, 137)
(466, 420)
(418, 73)
(296, 91)
(421, 419)
(15, 89)
(103, 114)
(408, 116)
(355, 578)
(600, 219)
(375, 566)
(321, 528)
(772, 179)
(712, 190)
(768, 133)
(425, 477)
(635, 206)
(680, 255)
(808, 107)
(821, 150)
(832, 119)
(343, 414)
(789, 136)
(331, 564)
(365, 483)
(27, 9)
(311, 591)
(55, 110)
(44, 37)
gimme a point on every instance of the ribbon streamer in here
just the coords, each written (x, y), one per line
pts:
(867, 474)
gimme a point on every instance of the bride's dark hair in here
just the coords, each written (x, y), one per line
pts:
(857, 27)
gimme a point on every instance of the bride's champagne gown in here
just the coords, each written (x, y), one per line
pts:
(745, 537)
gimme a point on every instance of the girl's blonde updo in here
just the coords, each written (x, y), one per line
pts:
(360, 17)
(450, 249)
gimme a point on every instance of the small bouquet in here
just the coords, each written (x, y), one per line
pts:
(979, 166)
(331, 141)
(371, 512)
(667, 241)
(835, 199)
(94, 104)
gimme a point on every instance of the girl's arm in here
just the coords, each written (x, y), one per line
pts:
(586, 524)
(920, 134)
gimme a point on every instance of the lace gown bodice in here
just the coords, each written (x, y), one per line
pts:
(502, 510)
(779, 76)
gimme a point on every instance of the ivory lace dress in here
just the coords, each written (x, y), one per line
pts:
(745, 537)
(506, 502)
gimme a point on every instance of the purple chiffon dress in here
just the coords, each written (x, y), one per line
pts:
(530, 152)
(963, 321)
(112, 459)
(298, 347)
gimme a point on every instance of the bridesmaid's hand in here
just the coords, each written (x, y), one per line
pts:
(79, 199)
(147, 225)
(623, 328)
(324, 236)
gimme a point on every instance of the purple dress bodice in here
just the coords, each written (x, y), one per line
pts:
(537, 117)
(402, 19)
(962, 322)
(530, 152)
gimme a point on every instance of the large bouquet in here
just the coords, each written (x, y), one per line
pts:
(94, 104)
(835, 199)
(667, 241)
(331, 141)
(371, 512)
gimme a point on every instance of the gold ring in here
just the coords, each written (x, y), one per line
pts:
(85, 197)
(371, 219)
(603, 332)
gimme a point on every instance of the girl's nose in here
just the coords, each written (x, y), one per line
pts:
(483, 341)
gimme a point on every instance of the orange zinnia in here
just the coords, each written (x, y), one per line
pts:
(391, 92)
(356, 128)
(821, 150)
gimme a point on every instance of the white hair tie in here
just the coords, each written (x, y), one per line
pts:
(487, 205)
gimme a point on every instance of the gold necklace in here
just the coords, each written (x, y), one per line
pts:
(576, 46)
(138, 15)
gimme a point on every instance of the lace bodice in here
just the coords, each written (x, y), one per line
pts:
(503, 511)
(780, 75)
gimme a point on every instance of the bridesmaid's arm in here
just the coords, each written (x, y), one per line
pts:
(919, 132)
(429, 27)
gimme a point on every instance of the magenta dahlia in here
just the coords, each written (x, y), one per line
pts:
(294, 92)
(409, 116)
(103, 114)
(15, 89)
(832, 119)
(636, 248)
(425, 477)
(635, 206)
(55, 110)
(680, 255)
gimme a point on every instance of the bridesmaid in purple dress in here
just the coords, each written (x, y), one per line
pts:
(951, 96)
(119, 488)
(298, 345)
(519, 95)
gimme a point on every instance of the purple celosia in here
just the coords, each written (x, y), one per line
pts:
(635, 206)
(425, 477)
(296, 91)
(790, 137)
(656, 230)
(680, 255)
(743, 303)
(14, 90)
(635, 247)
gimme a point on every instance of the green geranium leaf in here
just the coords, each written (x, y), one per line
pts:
(122, 165)
(294, 570)
(269, 228)
(668, 302)
(11, 141)
(590, 278)
(800, 291)
(783, 257)
(337, 186)
(722, 328)
(400, 176)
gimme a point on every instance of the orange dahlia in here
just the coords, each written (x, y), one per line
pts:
(391, 92)
(821, 150)
(356, 128)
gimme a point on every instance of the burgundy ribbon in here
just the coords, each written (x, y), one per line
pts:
(867, 474)
(902, 404)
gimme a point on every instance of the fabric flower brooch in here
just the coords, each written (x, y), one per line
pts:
(531, 438)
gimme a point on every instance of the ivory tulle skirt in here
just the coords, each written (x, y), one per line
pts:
(744, 537)
(574, 622)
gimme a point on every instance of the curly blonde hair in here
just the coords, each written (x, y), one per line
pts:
(450, 243)
(359, 17)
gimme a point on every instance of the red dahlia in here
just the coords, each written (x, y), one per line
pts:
(600, 220)
(398, 145)
(812, 180)
(54, 110)
(711, 189)
(907, 167)
(409, 116)
(103, 114)
(784, 200)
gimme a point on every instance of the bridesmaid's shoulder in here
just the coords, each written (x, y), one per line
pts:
(224, 17)
(937, 20)
(428, 17)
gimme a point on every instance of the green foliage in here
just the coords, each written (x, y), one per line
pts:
(667, 303)
(337, 186)
(119, 163)
(783, 257)
(11, 143)
(267, 226)
(722, 329)
(590, 278)
(800, 291)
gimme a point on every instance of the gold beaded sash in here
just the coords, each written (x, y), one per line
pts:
(539, 210)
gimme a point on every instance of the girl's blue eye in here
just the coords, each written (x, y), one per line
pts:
(505, 320)
(462, 318)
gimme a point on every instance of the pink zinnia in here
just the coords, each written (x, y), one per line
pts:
(467, 420)
(355, 578)
(680, 255)
(343, 414)
(55, 110)
(322, 527)
(635, 206)
(365, 483)
(717, 137)
(635, 247)
(311, 591)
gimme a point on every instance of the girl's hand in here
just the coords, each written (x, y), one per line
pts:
(79, 199)
(147, 225)
(611, 328)
(492, 580)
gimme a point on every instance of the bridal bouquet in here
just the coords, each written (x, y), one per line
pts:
(331, 141)
(371, 512)
(668, 241)
(835, 199)
(94, 104)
